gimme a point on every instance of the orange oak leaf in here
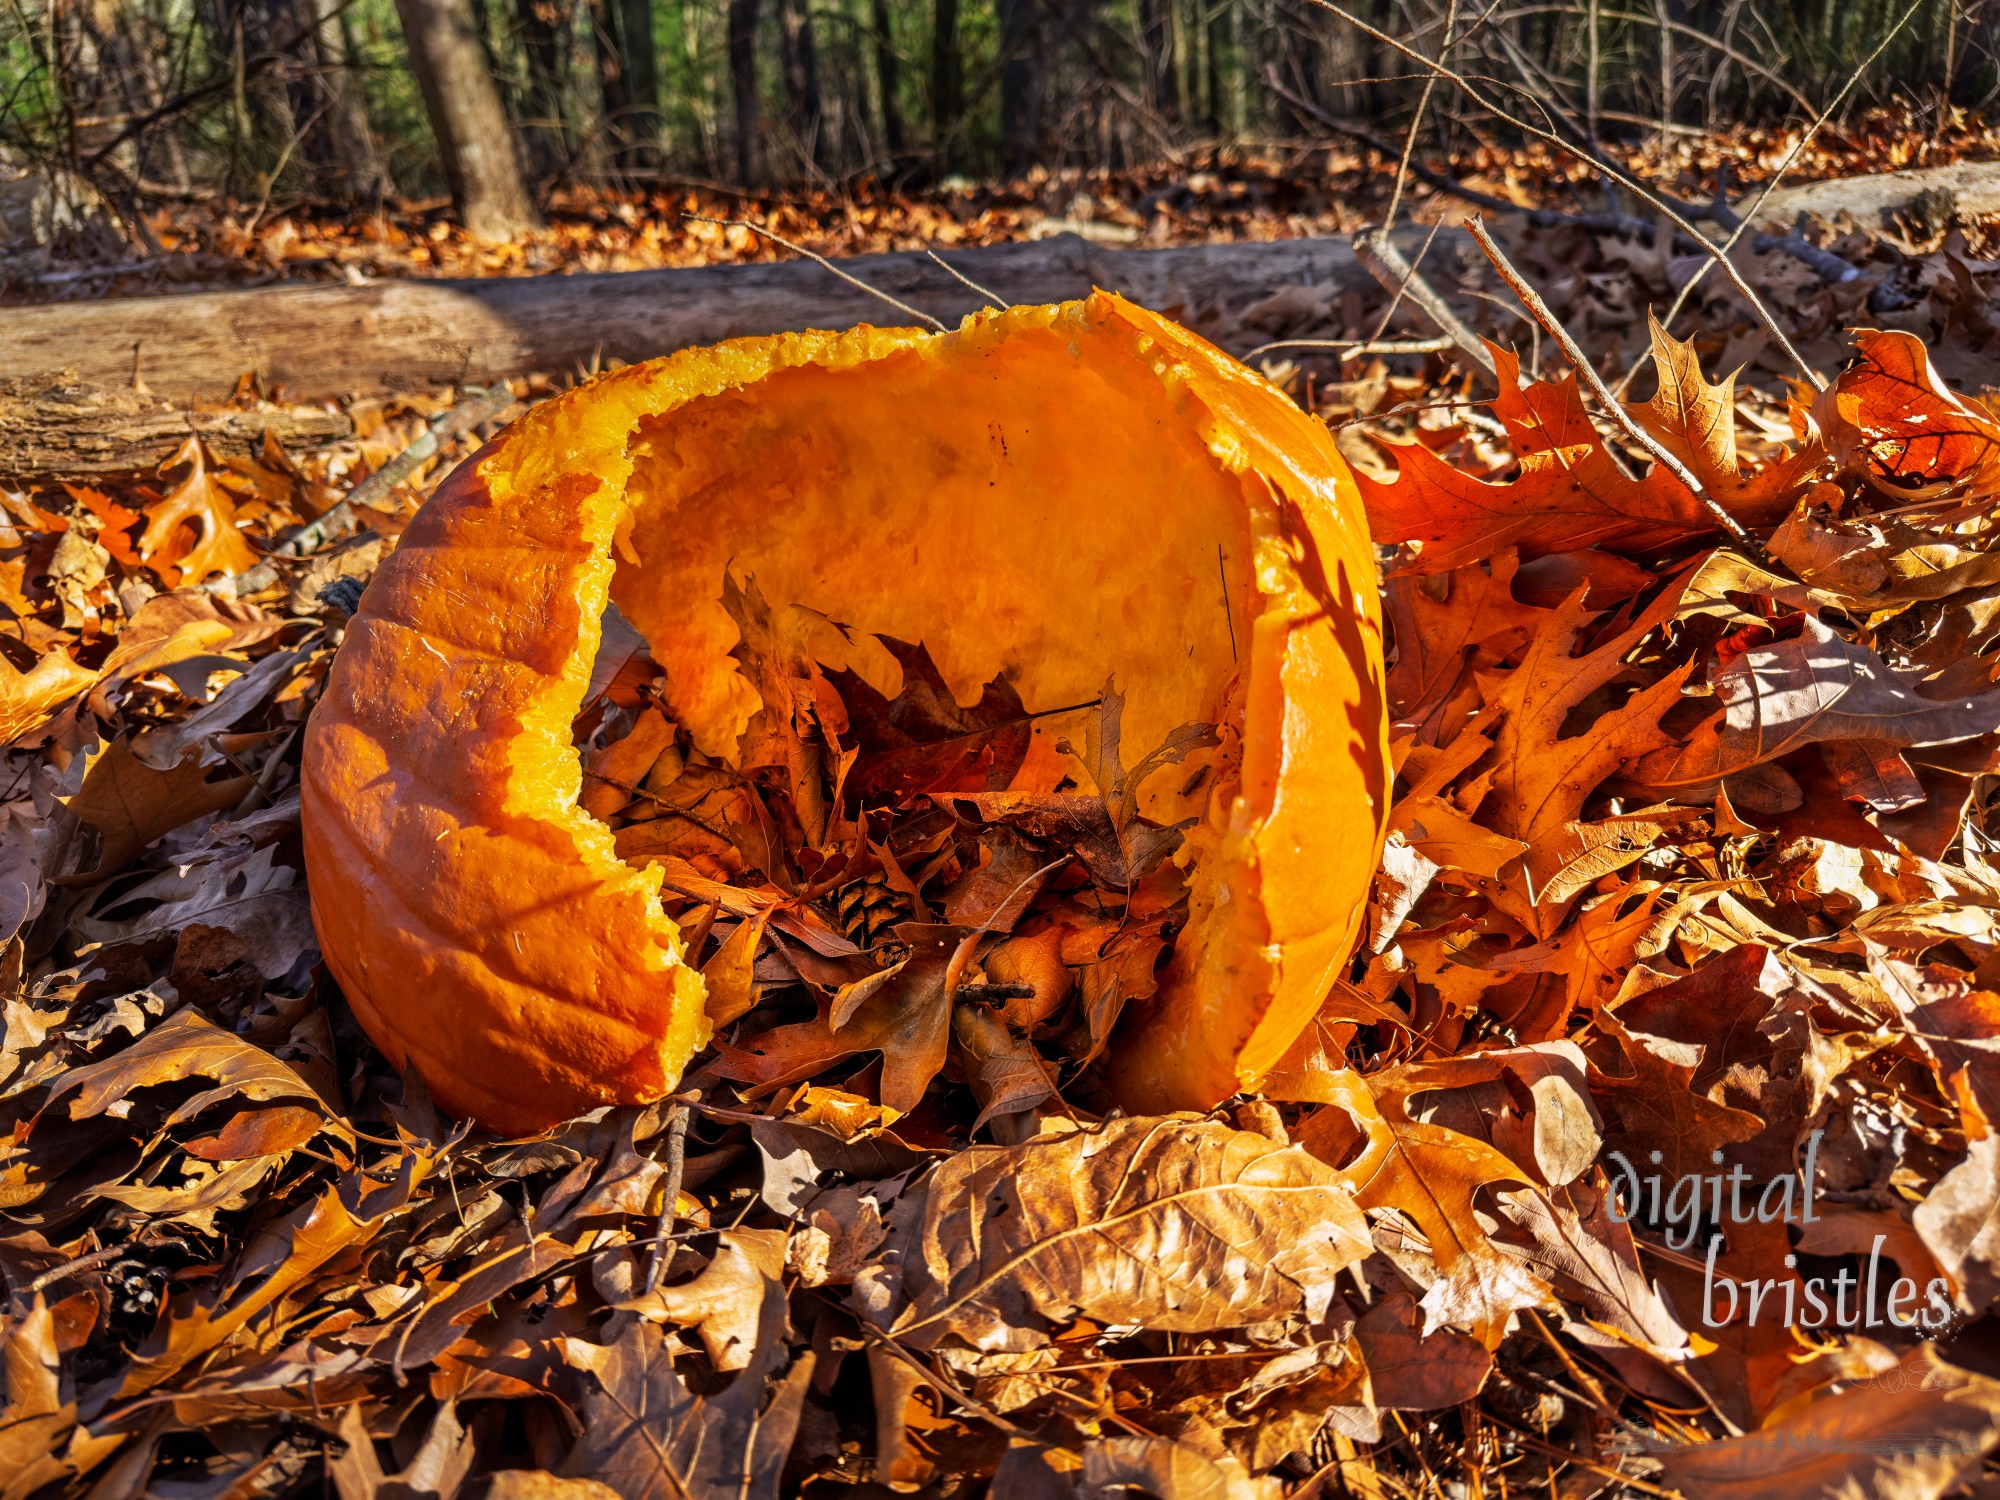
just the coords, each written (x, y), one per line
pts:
(1432, 1175)
(1697, 422)
(26, 698)
(1544, 768)
(1571, 493)
(1890, 416)
(201, 502)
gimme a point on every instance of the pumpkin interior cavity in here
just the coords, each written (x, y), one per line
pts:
(944, 497)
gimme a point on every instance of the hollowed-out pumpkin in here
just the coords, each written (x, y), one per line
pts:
(1061, 495)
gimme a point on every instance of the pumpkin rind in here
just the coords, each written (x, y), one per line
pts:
(1062, 494)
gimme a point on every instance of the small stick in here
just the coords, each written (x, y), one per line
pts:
(992, 297)
(76, 1267)
(1623, 178)
(339, 519)
(1657, 451)
(1358, 347)
(1399, 278)
(824, 264)
(1795, 242)
(677, 1134)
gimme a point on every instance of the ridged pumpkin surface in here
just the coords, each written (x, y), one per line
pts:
(1063, 495)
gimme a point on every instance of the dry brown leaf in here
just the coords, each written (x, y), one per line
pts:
(1816, 687)
(1697, 423)
(724, 1302)
(130, 804)
(28, 698)
(1912, 1432)
(186, 1045)
(650, 1437)
(1175, 1223)
(1432, 1175)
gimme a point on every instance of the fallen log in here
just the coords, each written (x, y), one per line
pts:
(315, 342)
(1974, 188)
(318, 342)
(61, 426)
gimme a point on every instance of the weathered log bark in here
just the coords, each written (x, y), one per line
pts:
(1871, 199)
(325, 341)
(62, 427)
(322, 341)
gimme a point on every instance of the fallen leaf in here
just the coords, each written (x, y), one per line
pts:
(28, 698)
(725, 1301)
(1571, 493)
(1817, 687)
(1004, 1242)
(1913, 1432)
(201, 502)
(650, 1437)
(130, 804)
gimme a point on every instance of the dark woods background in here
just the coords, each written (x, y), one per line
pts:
(505, 101)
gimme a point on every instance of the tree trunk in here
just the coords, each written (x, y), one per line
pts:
(1156, 37)
(806, 111)
(743, 83)
(642, 82)
(359, 173)
(1020, 86)
(539, 23)
(888, 77)
(1215, 46)
(611, 89)
(947, 83)
(467, 118)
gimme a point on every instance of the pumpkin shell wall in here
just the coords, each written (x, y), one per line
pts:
(1064, 495)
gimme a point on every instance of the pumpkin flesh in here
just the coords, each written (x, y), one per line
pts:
(1061, 496)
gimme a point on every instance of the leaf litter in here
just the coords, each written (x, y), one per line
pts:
(1690, 877)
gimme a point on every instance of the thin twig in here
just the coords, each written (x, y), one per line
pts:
(1623, 178)
(824, 264)
(76, 1267)
(1386, 264)
(1417, 120)
(993, 298)
(1614, 408)
(670, 1189)
(1744, 221)
(1355, 348)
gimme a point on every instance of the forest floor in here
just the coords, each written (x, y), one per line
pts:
(242, 1256)
(1264, 195)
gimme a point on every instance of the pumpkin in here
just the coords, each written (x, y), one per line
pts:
(1062, 495)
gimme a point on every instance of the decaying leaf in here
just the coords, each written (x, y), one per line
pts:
(1174, 1223)
(648, 1436)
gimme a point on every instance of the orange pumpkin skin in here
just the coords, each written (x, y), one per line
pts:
(1064, 494)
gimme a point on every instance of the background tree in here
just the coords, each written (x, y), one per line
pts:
(474, 139)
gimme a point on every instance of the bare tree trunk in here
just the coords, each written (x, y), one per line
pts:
(806, 113)
(1020, 85)
(359, 172)
(888, 77)
(743, 82)
(467, 118)
(642, 82)
(539, 23)
(947, 82)
(610, 59)
(1215, 43)
(1156, 40)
